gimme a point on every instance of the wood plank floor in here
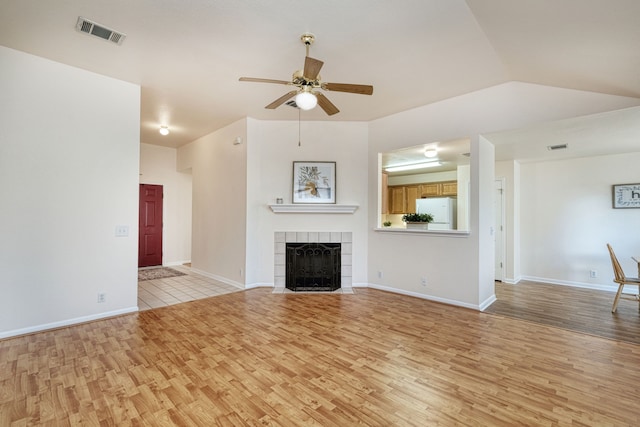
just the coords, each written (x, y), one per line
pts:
(576, 309)
(373, 358)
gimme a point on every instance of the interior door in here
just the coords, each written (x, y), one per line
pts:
(150, 226)
(499, 229)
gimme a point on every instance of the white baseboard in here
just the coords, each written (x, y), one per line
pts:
(479, 307)
(599, 287)
(486, 303)
(67, 322)
(258, 285)
(175, 263)
(426, 297)
(219, 278)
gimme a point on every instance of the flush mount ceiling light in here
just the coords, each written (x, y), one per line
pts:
(412, 166)
(430, 153)
(164, 130)
(306, 100)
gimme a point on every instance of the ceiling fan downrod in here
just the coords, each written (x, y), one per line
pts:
(307, 39)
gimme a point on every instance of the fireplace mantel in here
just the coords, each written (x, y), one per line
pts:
(314, 208)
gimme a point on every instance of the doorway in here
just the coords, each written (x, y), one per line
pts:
(150, 226)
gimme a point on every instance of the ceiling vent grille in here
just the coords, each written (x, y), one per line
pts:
(89, 27)
(557, 147)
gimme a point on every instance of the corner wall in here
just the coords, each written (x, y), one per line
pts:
(450, 264)
(568, 218)
(219, 216)
(68, 177)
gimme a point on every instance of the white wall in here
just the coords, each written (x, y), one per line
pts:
(69, 153)
(219, 217)
(450, 264)
(158, 166)
(567, 219)
(272, 149)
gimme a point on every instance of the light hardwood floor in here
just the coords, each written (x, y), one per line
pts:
(575, 309)
(372, 358)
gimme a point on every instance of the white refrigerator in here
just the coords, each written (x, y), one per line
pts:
(443, 210)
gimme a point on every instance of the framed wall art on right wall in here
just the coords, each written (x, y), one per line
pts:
(626, 196)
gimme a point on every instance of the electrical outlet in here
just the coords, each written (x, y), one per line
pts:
(423, 281)
(380, 275)
(593, 274)
(102, 297)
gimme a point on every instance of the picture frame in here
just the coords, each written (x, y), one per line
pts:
(626, 196)
(314, 182)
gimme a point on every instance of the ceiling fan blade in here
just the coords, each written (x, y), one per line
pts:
(312, 67)
(347, 87)
(278, 102)
(252, 79)
(326, 105)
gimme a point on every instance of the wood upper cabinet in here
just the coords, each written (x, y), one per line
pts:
(397, 199)
(433, 189)
(437, 189)
(401, 199)
(412, 192)
(450, 188)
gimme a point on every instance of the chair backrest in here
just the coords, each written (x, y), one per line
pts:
(617, 270)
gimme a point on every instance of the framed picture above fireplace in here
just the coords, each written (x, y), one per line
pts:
(314, 182)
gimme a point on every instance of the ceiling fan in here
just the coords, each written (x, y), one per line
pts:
(308, 82)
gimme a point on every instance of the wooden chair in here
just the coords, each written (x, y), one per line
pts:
(620, 278)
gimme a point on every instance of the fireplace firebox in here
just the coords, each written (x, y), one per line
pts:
(313, 266)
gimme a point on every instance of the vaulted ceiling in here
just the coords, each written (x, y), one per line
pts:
(188, 55)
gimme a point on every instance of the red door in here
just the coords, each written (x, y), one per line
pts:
(150, 226)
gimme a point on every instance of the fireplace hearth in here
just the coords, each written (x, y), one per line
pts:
(313, 266)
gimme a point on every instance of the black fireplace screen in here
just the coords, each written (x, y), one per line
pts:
(313, 266)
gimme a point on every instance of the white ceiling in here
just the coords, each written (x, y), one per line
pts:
(188, 55)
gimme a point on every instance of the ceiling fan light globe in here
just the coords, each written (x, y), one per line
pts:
(306, 101)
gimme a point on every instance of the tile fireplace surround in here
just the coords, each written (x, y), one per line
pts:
(281, 238)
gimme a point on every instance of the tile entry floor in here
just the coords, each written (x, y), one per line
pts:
(175, 290)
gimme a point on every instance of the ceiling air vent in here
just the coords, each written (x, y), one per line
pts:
(557, 147)
(89, 27)
(292, 103)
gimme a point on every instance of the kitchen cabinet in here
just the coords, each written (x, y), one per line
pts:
(397, 199)
(438, 189)
(432, 189)
(449, 188)
(411, 194)
(401, 199)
